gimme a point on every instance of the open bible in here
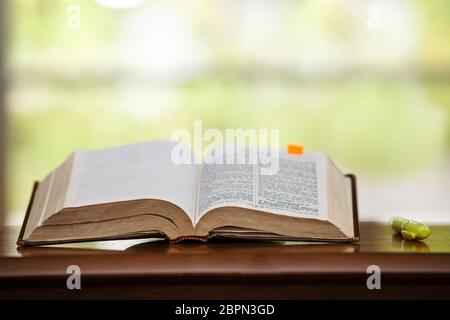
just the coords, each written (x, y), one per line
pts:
(137, 191)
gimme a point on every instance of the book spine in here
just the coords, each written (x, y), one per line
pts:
(183, 238)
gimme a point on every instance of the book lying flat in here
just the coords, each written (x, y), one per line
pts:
(138, 191)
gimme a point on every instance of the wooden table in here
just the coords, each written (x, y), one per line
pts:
(231, 270)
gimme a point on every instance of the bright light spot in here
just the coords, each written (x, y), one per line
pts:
(120, 4)
(159, 43)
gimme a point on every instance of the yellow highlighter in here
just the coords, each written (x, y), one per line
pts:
(410, 229)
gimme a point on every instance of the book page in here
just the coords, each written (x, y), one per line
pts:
(297, 189)
(137, 171)
(226, 184)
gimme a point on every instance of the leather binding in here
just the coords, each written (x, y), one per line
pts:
(21, 242)
(352, 178)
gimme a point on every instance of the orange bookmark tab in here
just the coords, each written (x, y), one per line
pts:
(295, 149)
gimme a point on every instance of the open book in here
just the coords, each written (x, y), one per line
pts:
(137, 191)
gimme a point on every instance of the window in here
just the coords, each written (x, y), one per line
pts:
(359, 80)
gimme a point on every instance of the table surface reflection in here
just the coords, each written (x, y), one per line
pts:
(375, 238)
(155, 269)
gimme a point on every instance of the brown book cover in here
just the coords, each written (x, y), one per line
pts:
(354, 205)
(21, 242)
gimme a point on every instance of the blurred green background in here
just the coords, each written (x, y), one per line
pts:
(367, 82)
